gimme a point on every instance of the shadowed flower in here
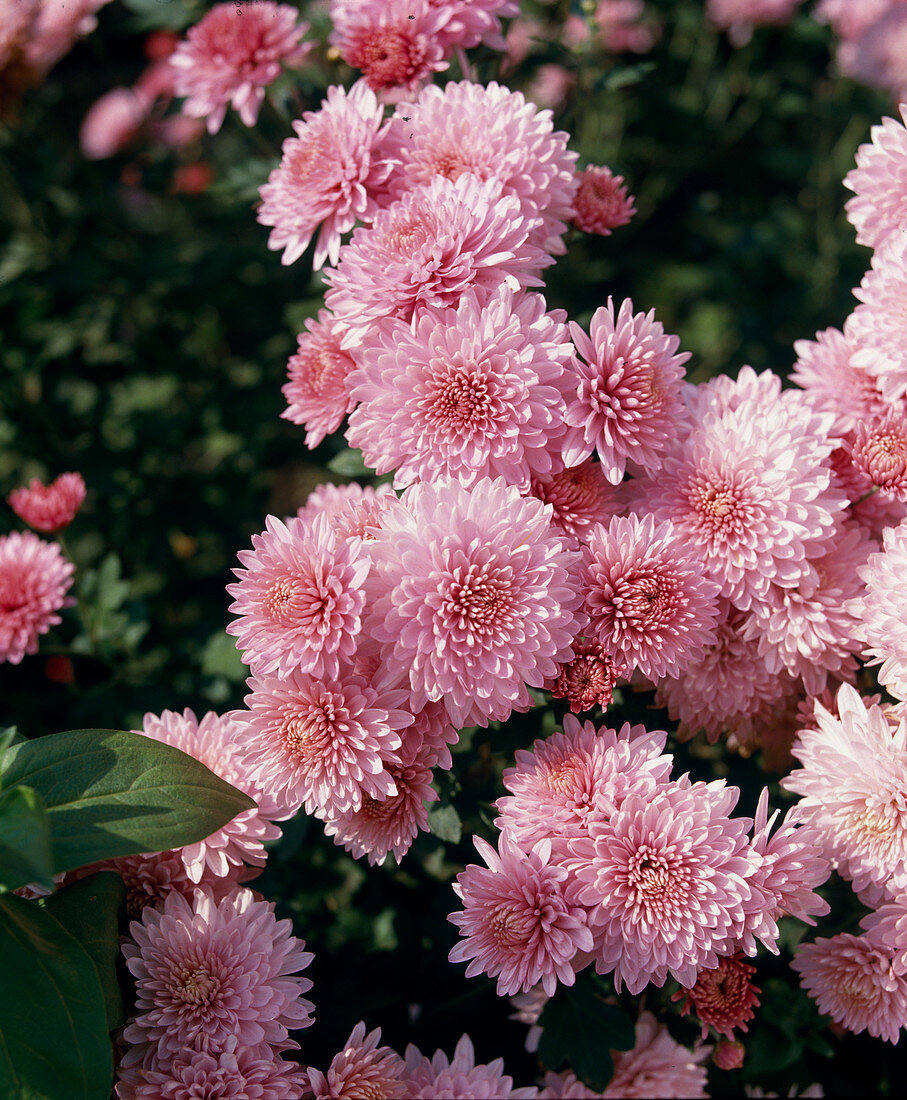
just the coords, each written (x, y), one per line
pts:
(581, 497)
(601, 203)
(723, 997)
(317, 392)
(658, 1066)
(361, 1071)
(430, 1078)
(588, 680)
(49, 507)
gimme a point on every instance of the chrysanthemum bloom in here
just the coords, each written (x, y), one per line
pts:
(235, 1073)
(317, 392)
(112, 123)
(49, 507)
(667, 882)
(879, 56)
(580, 496)
(395, 43)
(59, 24)
(657, 1065)
(875, 325)
(516, 923)
(619, 29)
(888, 928)
(470, 22)
(566, 1086)
(427, 1079)
(650, 607)
(206, 973)
(627, 403)
(299, 599)
(588, 680)
(428, 249)
(362, 1069)
(750, 494)
(883, 623)
(847, 19)
(34, 580)
(878, 208)
(853, 784)
(220, 743)
(328, 175)
(495, 134)
(879, 450)
(601, 203)
(729, 1055)
(852, 979)
(477, 598)
(723, 997)
(352, 510)
(575, 778)
(227, 61)
(468, 392)
(739, 17)
(324, 741)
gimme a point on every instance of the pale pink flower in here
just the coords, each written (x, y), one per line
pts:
(650, 607)
(877, 324)
(396, 44)
(566, 1086)
(620, 29)
(352, 510)
(362, 1069)
(427, 249)
(850, 20)
(853, 783)
(206, 973)
(494, 134)
(529, 1007)
(460, 1077)
(317, 393)
(300, 598)
(723, 996)
(602, 203)
(739, 17)
(34, 580)
(883, 623)
(658, 1066)
(550, 85)
(112, 123)
(888, 928)
(470, 22)
(49, 507)
(467, 392)
(588, 679)
(579, 777)
(878, 449)
(878, 208)
(57, 26)
(329, 175)
(230, 57)
(580, 496)
(324, 741)
(17, 20)
(477, 600)
(879, 56)
(852, 979)
(627, 402)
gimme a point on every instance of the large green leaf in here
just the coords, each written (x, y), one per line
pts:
(111, 793)
(53, 1028)
(25, 846)
(89, 910)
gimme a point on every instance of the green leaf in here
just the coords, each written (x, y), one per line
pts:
(89, 910)
(444, 822)
(348, 463)
(53, 1029)
(580, 1028)
(25, 847)
(111, 793)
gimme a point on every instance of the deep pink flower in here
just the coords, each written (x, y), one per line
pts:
(467, 392)
(601, 203)
(588, 679)
(430, 1078)
(207, 973)
(723, 997)
(627, 403)
(228, 61)
(482, 570)
(658, 1066)
(580, 496)
(329, 175)
(317, 392)
(362, 1069)
(34, 580)
(49, 507)
(878, 208)
(881, 610)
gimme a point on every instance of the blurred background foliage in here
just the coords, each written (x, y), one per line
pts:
(144, 333)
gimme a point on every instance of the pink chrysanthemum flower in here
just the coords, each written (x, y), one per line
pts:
(650, 607)
(396, 44)
(566, 1086)
(517, 925)
(580, 496)
(849, 20)
(470, 22)
(888, 928)
(667, 883)
(329, 175)
(723, 997)
(578, 777)
(317, 392)
(427, 249)
(658, 1066)
(324, 742)
(601, 203)
(235, 1073)
(477, 598)
(362, 1069)
(878, 208)
(876, 324)
(879, 56)
(207, 973)
(588, 679)
(879, 450)
(739, 17)
(465, 393)
(299, 598)
(228, 62)
(881, 610)
(627, 403)
(220, 743)
(852, 979)
(430, 737)
(353, 511)
(853, 784)
(494, 134)
(49, 507)
(750, 494)
(34, 580)
(427, 1079)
